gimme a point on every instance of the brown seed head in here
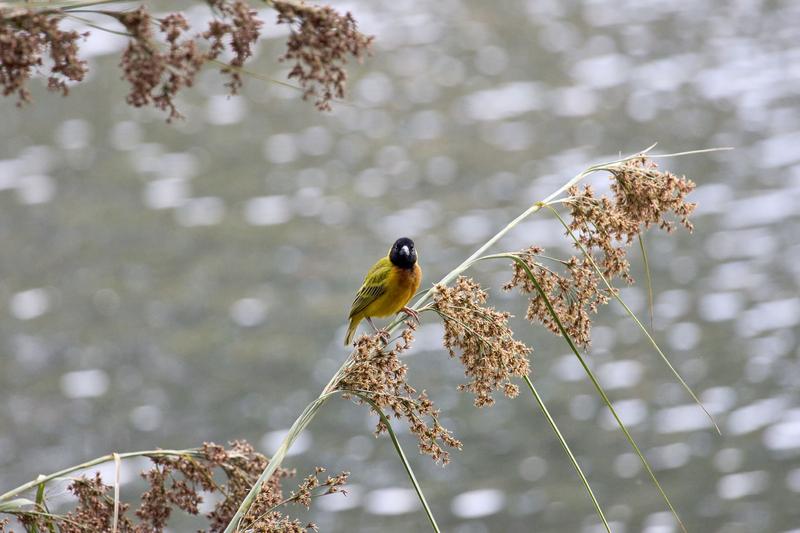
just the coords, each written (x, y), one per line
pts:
(605, 228)
(320, 42)
(382, 376)
(25, 36)
(481, 338)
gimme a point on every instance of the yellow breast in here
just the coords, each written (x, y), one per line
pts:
(401, 285)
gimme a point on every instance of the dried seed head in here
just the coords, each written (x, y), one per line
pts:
(180, 482)
(646, 194)
(320, 41)
(643, 196)
(95, 509)
(25, 35)
(157, 76)
(159, 64)
(572, 290)
(242, 465)
(331, 485)
(242, 27)
(605, 228)
(381, 376)
(490, 354)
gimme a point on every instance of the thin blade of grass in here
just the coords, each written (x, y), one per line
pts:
(4, 498)
(117, 465)
(264, 77)
(592, 378)
(15, 505)
(568, 451)
(636, 319)
(98, 27)
(402, 455)
(53, 4)
(649, 278)
(40, 504)
(693, 152)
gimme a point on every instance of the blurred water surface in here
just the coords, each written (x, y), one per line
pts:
(166, 285)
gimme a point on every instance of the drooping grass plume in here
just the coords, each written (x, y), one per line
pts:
(177, 481)
(571, 286)
(25, 38)
(319, 44)
(164, 55)
(377, 372)
(481, 338)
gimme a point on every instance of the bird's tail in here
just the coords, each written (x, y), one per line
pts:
(351, 331)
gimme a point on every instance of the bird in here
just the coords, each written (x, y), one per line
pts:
(387, 287)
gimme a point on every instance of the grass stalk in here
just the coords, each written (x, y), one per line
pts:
(568, 451)
(117, 466)
(402, 455)
(649, 278)
(6, 498)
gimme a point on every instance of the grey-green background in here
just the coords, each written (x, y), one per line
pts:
(164, 285)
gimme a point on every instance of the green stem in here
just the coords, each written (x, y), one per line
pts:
(88, 464)
(403, 458)
(568, 451)
(646, 262)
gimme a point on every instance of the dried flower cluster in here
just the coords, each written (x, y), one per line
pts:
(25, 37)
(177, 482)
(490, 354)
(320, 41)
(239, 22)
(94, 512)
(164, 56)
(575, 293)
(643, 196)
(381, 376)
(156, 75)
(605, 227)
(646, 194)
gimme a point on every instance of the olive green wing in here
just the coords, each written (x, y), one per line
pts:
(374, 285)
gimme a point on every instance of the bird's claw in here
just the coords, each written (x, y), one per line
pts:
(411, 313)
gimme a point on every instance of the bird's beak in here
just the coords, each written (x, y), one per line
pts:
(404, 250)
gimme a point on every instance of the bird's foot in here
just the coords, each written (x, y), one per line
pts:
(411, 313)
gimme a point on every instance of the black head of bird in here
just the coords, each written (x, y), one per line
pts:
(403, 254)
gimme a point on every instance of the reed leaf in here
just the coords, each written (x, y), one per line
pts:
(6, 497)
